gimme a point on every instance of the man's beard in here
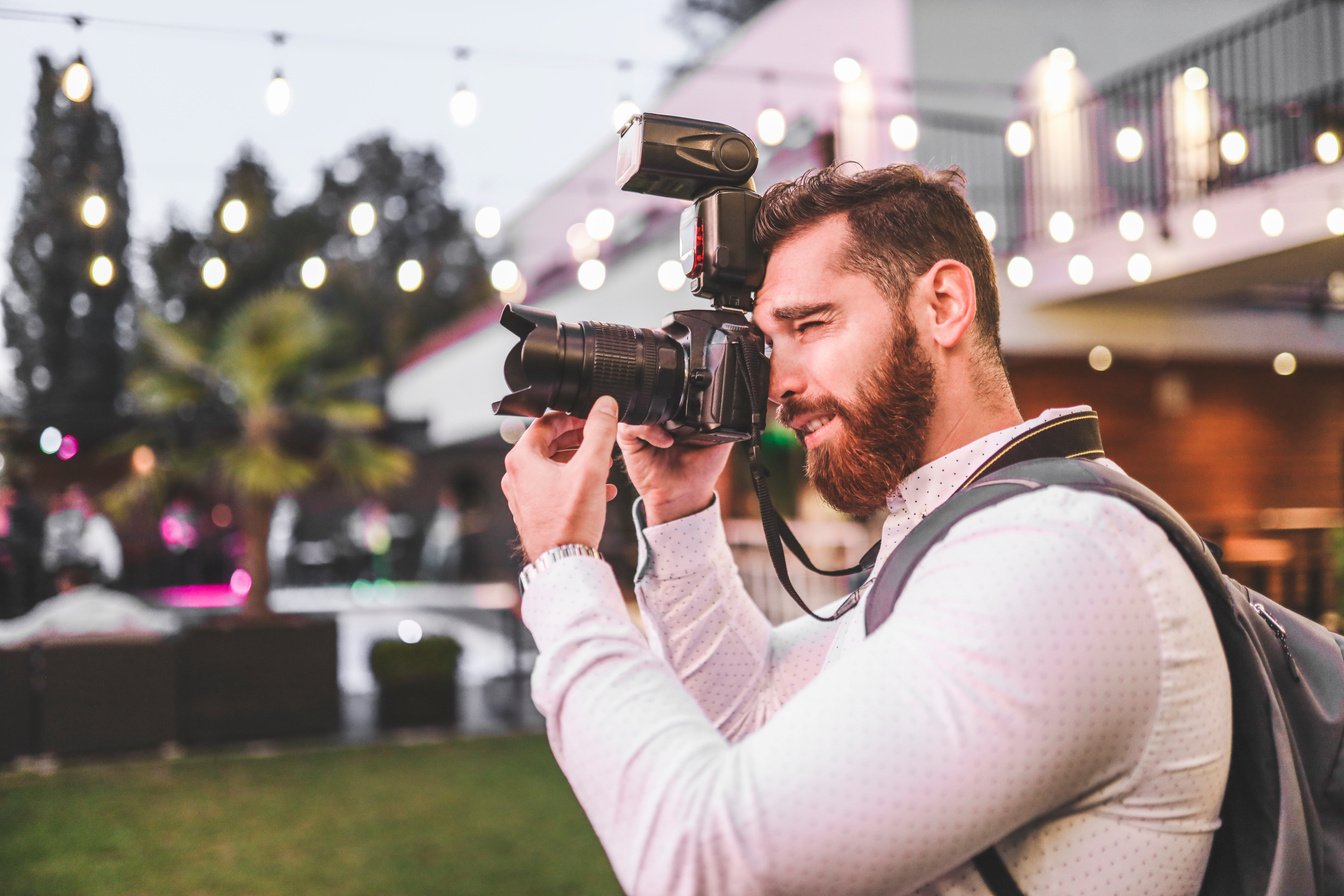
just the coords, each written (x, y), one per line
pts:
(882, 432)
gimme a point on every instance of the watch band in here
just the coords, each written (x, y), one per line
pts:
(551, 557)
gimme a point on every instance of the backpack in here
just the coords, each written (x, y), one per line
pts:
(1282, 830)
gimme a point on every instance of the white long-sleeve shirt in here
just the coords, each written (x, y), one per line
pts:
(1050, 681)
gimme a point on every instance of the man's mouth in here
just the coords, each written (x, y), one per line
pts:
(811, 431)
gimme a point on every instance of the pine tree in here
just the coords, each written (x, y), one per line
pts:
(70, 334)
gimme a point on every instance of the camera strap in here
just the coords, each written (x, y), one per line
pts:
(1073, 435)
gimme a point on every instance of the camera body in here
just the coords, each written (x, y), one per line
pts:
(704, 374)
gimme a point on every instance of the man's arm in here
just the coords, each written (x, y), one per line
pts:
(701, 621)
(973, 711)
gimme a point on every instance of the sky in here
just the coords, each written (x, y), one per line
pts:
(185, 83)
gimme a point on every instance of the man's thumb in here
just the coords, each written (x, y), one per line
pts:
(599, 430)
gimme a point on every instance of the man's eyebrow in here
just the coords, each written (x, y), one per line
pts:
(798, 312)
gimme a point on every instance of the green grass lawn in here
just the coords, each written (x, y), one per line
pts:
(473, 816)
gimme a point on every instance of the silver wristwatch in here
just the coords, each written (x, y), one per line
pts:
(549, 558)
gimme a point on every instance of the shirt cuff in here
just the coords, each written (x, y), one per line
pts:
(565, 592)
(682, 547)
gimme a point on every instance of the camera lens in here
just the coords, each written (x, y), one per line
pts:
(568, 366)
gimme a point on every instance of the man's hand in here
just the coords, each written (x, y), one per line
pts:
(556, 479)
(674, 480)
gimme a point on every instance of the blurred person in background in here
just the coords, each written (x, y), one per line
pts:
(76, 534)
(21, 525)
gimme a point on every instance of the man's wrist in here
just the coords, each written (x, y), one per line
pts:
(658, 512)
(549, 558)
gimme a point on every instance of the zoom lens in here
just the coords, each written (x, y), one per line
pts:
(568, 366)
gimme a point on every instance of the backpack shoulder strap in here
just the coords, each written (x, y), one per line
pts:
(1267, 793)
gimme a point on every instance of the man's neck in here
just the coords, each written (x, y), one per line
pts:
(967, 414)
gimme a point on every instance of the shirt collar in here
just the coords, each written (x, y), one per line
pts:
(932, 484)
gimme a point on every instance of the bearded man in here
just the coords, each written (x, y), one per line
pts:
(1051, 682)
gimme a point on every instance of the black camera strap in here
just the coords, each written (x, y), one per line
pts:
(1073, 435)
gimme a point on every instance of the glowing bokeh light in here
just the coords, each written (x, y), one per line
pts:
(1080, 270)
(222, 516)
(1139, 267)
(1271, 222)
(410, 631)
(240, 583)
(771, 126)
(988, 226)
(463, 107)
(214, 272)
(1061, 227)
(1195, 78)
(68, 448)
(278, 95)
(1063, 58)
(670, 275)
(1285, 363)
(102, 270)
(504, 275)
(93, 212)
(488, 222)
(624, 111)
(1131, 226)
(1100, 358)
(77, 82)
(1234, 147)
(1020, 271)
(1129, 144)
(1019, 138)
(599, 223)
(847, 69)
(50, 440)
(1327, 148)
(410, 275)
(313, 272)
(904, 133)
(592, 274)
(143, 460)
(362, 219)
(233, 215)
(1204, 223)
(1334, 221)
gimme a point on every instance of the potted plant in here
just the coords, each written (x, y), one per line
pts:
(417, 683)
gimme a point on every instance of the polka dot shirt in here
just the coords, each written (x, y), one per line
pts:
(1050, 682)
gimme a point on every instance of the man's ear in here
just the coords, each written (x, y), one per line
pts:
(952, 301)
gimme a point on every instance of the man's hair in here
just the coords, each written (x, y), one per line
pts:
(902, 220)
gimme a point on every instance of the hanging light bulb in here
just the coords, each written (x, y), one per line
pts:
(1131, 226)
(1018, 138)
(410, 275)
(592, 274)
(505, 275)
(1234, 147)
(233, 215)
(988, 226)
(1328, 148)
(1020, 272)
(214, 272)
(93, 211)
(488, 222)
(102, 270)
(278, 94)
(77, 82)
(362, 218)
(599, 224)
(771, 126)
(463, 107)
(1129, 144)
(625, 110)
(313, 272)
(904, 132)
(847, 69)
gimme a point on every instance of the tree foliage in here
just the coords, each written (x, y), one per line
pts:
(69, 336)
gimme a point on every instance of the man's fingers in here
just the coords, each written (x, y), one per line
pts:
(653, 435)
(599, 431)
(547, 428)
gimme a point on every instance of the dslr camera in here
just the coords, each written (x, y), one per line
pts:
(703, 375)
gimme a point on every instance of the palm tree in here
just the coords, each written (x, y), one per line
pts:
(262, 410)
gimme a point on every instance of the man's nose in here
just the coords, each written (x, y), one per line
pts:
(786, 378)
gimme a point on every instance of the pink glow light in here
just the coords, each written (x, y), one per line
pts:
(240, 582)
(199, 597)
(69, 448)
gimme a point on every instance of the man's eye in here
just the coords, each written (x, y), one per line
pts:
(808, 325)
